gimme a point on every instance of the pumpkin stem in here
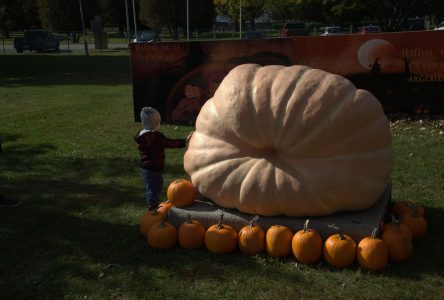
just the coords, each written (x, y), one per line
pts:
(375, 230)
(415, 211)
(397, 225)
(220, 225)
(393, 218)
(189, 221)
(306, 225)
(163, 221)
(253, 220)
(340, 232)
(155, 208)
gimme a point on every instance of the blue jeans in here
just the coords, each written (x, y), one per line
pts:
(153, 182)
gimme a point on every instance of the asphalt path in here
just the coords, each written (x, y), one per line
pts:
(64, 47)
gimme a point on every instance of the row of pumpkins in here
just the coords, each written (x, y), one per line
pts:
(339, 250)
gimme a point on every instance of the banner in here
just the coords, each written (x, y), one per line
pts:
(405, 70)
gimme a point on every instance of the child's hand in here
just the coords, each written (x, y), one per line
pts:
(189, 136)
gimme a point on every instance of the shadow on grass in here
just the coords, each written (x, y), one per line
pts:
(69, 235)
(19, 70)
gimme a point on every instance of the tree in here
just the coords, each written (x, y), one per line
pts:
(64, 15)
(282, 10)
(18, 15)
(251, 9)
(390, 14)
(113, 13)
(172, 14)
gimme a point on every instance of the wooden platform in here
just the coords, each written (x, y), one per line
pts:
(357, 224)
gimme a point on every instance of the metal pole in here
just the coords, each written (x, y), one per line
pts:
(128, 31)
(135, 23)
(84, 29)
(188, 21)
(240, 19)
(3, 38)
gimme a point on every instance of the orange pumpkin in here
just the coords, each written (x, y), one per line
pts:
(416, 223)
(164, 207)
(221, 238)
(372, 253)
(181, 192)
(251, 238)
(339, 250)
(398, 226)
(399, 243)
(307, 245)
(162, 235)
(191, 234)
(148, 219)
(278, 241)
(406, 206)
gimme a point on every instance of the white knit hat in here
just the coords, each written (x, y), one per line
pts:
(150, 118)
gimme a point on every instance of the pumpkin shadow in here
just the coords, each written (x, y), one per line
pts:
(426, 251)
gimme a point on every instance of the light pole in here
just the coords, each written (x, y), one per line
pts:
(135, 24)
(188, 21)
(240, 19)
(128, 31)
(84, 29)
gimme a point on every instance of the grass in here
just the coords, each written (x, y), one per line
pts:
(66, 124)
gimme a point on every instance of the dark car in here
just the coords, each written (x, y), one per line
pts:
(147, 36)
(294, 29)
(36, 40)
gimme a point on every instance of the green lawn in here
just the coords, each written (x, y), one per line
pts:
(66, 122)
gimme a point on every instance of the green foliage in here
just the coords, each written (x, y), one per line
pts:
(172, 14)
(64, 15)
(18, 15)
(251, 9)
(114, 14)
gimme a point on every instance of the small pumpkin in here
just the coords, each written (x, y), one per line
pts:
(399, 243)
(251, 238)
(181, 192)
(394, 224)
(164, 207)
(162, 235)
(414, 221)
(221, 238)
(148, 219)
(307, 245)
(407, 206)
(339, 250)
(372, 252)
(191, 234)
(278, 240)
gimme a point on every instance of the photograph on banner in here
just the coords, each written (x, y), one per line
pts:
(404, 70)
(178, 78)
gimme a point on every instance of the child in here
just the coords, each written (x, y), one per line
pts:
(152, 144)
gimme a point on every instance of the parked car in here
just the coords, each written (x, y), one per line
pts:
(440, 26)
(38, 40)
(294, 29)
(369, 29)
(332, 30)
(147, 36)
(414, 24)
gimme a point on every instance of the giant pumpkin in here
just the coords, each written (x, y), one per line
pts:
(290, 140)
